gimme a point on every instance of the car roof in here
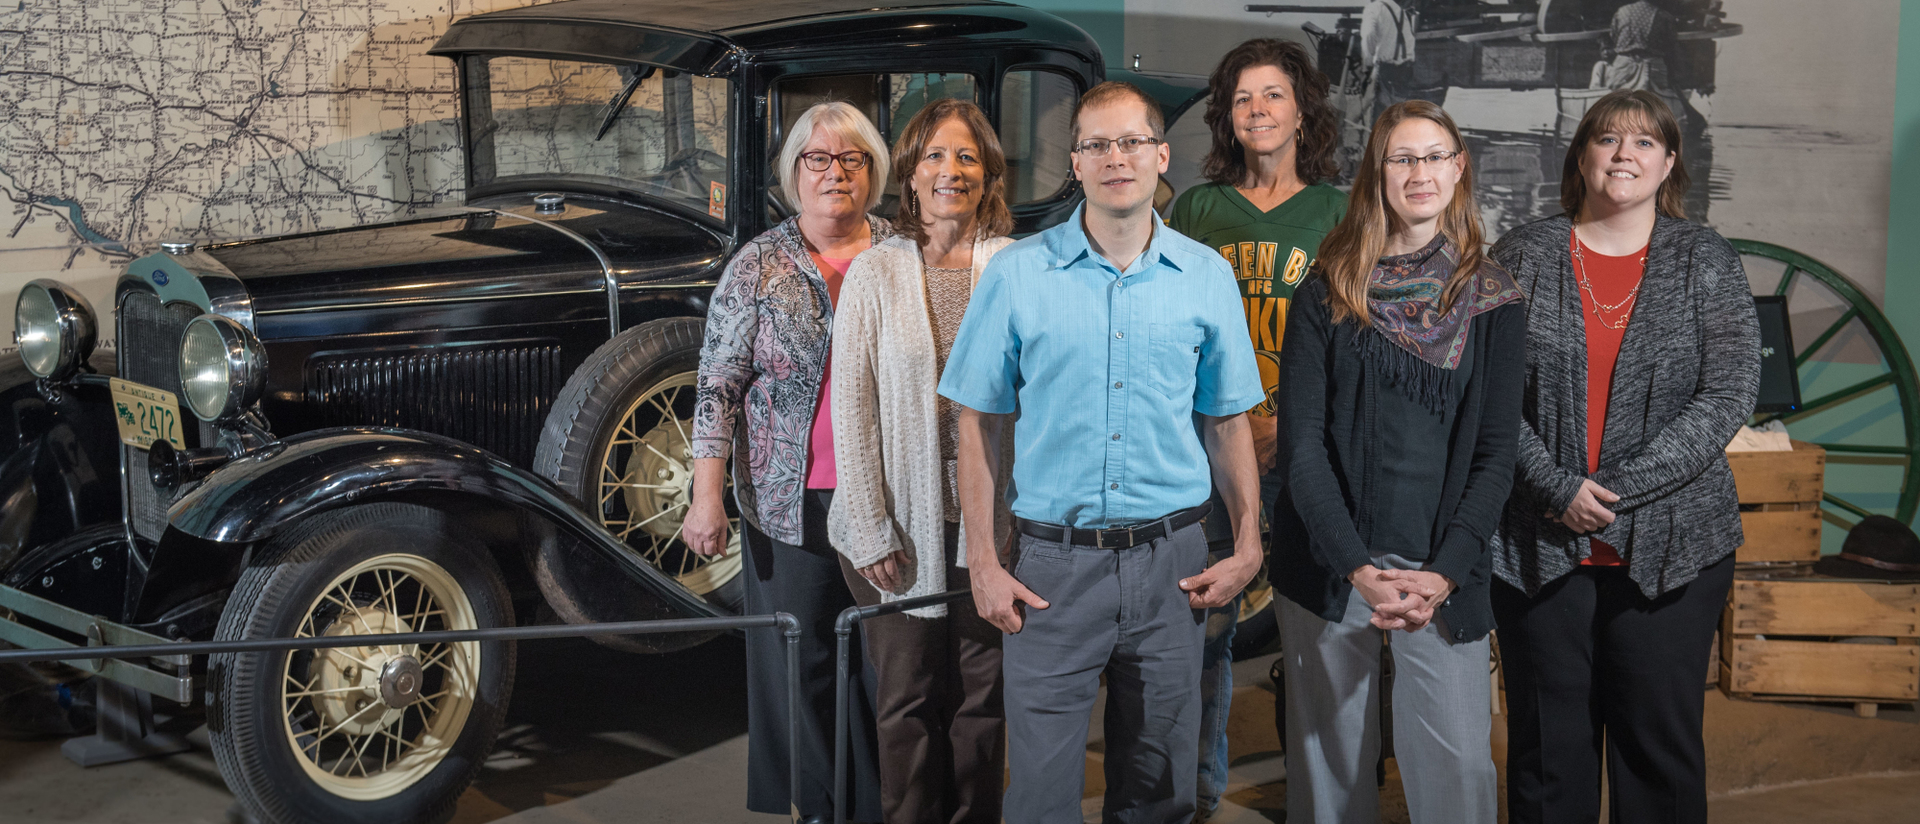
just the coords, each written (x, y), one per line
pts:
(711, 16)
(705, 37)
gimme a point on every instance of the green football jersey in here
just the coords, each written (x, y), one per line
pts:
(1269, 252)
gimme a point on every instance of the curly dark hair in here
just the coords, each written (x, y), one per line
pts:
(1319, 123)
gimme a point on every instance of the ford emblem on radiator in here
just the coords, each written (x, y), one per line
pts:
(159, 277)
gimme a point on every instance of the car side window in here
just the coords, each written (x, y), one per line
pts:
(889, 100)
(1036, 113)
(631, 126)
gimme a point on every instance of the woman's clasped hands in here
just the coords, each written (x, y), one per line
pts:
(1588, 511)
(1402, 599)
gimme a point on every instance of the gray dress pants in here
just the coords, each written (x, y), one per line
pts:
(1122, 613)
(1441, 724)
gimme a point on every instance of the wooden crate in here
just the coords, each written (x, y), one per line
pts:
(1779, 477)
(1781, 532)
(1811, 670)
(1780, 495)
(1816, 607)
(1760, 661)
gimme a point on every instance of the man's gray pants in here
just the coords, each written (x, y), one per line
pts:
(1120, 612)
(1441, 720)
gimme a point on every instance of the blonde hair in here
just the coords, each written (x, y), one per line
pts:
(1351, 250)
(1111, 91)
(846, 122)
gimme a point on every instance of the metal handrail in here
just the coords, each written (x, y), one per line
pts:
(789, 626)
(843, 632)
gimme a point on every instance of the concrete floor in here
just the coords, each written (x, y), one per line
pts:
(598, 736)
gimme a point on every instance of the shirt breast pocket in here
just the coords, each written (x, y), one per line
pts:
(1175, 352)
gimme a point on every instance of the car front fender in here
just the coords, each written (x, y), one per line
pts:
(255, 496)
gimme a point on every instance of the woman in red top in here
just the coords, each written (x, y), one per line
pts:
(1615, 553)
(1609, 285)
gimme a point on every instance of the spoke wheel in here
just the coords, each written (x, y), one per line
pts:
(1860, 399)
(646, 485)
(367, 722)
(620, 440)
(375, 732)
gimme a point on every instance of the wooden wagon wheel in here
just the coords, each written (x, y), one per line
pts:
(1860, 397)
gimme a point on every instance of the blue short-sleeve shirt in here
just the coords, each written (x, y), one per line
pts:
(1106, 369)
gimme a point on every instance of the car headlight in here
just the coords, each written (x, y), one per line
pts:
(54, 328)
(222, 368)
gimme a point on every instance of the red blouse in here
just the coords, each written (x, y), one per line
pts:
(1609, 280)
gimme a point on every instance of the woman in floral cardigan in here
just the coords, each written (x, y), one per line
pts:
(763, 400)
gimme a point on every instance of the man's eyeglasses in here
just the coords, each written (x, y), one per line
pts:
(1128, 144)
(819, 161)
(1407, 163)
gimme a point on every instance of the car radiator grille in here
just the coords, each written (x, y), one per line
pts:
(495, 398)
(149, 354)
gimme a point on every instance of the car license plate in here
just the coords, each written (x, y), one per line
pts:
(146, 414)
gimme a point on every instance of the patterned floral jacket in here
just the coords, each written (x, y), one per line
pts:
(769, 329)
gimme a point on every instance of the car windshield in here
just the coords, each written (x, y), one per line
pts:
(655, 131)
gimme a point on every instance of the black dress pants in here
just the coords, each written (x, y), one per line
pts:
(805, 581)
(1590, 663)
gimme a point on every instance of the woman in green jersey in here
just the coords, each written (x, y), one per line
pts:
(1265, 207)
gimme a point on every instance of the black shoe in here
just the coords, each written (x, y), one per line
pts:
(822, 818)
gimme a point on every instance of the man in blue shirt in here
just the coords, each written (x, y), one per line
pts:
(1100, 339)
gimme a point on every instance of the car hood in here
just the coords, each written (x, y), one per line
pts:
(498, 248)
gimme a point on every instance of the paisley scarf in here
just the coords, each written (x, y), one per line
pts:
(1415, 341)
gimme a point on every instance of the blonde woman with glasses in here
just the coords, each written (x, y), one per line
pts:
(764, 401)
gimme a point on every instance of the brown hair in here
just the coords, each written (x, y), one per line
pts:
(1620, 110)
(1319, 124)
(994, 217)
(1112, 91)
(1351, 250)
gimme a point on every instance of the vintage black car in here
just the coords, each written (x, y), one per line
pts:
(450, 420)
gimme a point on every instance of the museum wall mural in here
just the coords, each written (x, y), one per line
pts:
(125, 122)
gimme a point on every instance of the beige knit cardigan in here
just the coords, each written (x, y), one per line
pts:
(886, 438)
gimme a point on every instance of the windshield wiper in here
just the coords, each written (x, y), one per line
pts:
(619, 102)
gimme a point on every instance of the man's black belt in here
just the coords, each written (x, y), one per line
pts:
(1119, 537)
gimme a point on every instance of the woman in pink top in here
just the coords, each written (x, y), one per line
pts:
(762, 401)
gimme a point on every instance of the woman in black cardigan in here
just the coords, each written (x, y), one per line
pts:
(1401, 374)
(1616, 551)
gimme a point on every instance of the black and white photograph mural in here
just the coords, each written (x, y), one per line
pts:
(1554, 60)
(1787, 136)
(1773, 99)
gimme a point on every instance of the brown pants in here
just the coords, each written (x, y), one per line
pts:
(942, 730)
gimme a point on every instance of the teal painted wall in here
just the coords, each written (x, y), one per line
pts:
(1903, 212)
(1104, 19)
(1902, 304)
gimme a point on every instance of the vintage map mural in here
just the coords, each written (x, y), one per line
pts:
(123, 122)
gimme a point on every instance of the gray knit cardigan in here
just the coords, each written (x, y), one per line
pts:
(1687, 378)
